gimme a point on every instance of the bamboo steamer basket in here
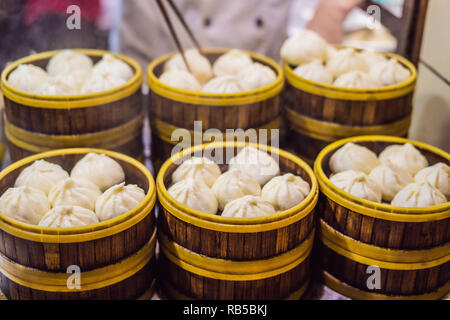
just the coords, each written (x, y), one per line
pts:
(411, 246)
(2, 134)
(213, 257)
(110, 119)
(318, 114)
(115, 257)
(172, 108)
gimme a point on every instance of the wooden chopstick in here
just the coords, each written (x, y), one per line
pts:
(173, 33)
(185, 25)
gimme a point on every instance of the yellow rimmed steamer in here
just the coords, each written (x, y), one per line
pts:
(318, 114)
(411, 246)
(115, 257)
(213, 257)
(172, 108)
(109, 120)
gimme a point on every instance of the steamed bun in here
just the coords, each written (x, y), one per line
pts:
(198, 64)
(345, 61)
(231, 63)
(256, 76)
(101, 81)
(234, 184)
(118, 200)
(27, 77)
(417, 195)
(259, 164)
(198, 168)
(180, 79)
(390, 178)
(404, 156)
(41, 175)
(195, 195)
(68, 61)
(25, 204)
(68, 217)
(314, 71)
(114, 67)
(99, 169)
(389, 72)
(355, 80)
(437, 175)
(55, 87)
(286, 191)
(248, 207)
(223, 84)
(357, 184)
(75, 192)
(352, 156)
(304, 47)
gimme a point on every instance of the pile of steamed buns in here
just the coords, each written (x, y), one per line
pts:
(400, 175)
(251, 187)
(45, 195)
(232, 72)
(314, 59)
(71, 73)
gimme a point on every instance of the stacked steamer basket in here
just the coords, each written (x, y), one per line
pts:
(208, 256)
(172, 108)
(318, 114)
(2, 134)
(115, 257)
(410, 246)
(110, 119)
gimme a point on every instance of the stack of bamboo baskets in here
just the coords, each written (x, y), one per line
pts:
(213, 257)
(408, 248)
(318, 114)
(171, 108)
(114, 259)
(109, 120)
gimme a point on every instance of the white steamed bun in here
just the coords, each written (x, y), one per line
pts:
(256, 76)
(25, 204)
(55, 87)
(248, 207)
(231, 63)
(286, 191)
(404, 156)
(27, 77)
(357, 184)
(389, 72)
(101, 81)
(390, 178)
(344, 61)
(75, 192)
(99, 169)
(180, 79)
(113, 66)
(314, 71)
(42, 175)
(234, 184)
(68, 61)
(355, 80)
(418, 195)
(199, 168)
(68, 217)
(352, 156)
(438, 175)
(194, 194)
(223, 84)
(117, 200)
(304, 47)
(259, 164)
(198, 64)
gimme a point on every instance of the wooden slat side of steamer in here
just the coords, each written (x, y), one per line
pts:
(261, 258)
(115, 257)
(411, 246)
(36, 123)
